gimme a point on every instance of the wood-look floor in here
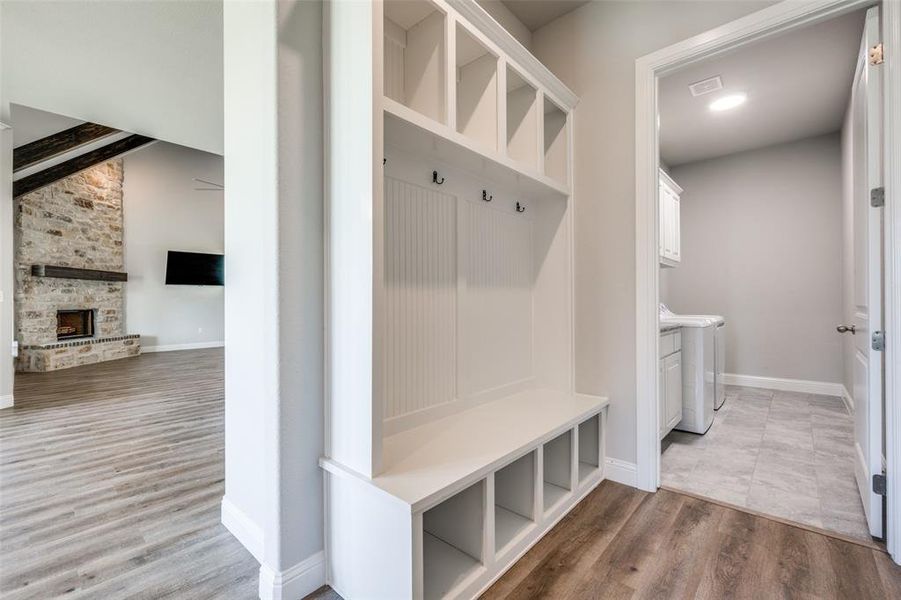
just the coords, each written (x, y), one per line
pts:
(623, 543)
(111, 477)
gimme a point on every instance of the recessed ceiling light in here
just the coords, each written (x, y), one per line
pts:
(728, 102)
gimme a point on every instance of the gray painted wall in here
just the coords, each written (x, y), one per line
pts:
(762, 245)
(162, 212)
(593, 50)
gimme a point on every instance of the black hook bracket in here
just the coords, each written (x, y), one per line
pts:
(435, 178)
(486, 197)
(520, 208)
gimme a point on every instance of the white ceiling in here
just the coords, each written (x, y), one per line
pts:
(30, 124)
(538, 13)
(798, 86)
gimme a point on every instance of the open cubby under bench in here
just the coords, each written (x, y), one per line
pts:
(461, 498)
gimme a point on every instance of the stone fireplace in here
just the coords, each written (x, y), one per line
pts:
(64, 321)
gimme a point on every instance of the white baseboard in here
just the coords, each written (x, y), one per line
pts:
(173, 347)
(6, 401)
(243, 528)
(849, 401)
(786, 385)
(621, 471)
(297, 582)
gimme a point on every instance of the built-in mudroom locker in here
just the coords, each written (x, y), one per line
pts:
(455, 439)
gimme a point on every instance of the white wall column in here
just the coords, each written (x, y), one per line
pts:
(274, 289)
(7, 368)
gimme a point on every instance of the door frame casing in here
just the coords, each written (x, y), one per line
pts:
(770, 21)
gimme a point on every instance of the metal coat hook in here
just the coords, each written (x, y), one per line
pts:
(435, 178)
(486, 197)
(520, 208)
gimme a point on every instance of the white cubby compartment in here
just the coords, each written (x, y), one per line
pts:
(452, 541)
(557, 470)
(589, 447)
(414, 47)
(514, 501)
(522, 120)
(556, 142)
(477, 93)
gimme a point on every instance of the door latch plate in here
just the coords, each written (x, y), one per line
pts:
(877, 197)
(878, 341)
(879, 484)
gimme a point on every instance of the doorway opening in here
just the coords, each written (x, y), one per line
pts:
(742, 400)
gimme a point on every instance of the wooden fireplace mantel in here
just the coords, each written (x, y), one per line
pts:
(73, 273)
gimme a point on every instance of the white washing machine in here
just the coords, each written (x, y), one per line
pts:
(703, 362)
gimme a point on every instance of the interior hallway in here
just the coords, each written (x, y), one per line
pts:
(785, 454)
(111, 478)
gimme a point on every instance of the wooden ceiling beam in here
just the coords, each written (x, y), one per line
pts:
(53, 145)
(78, 163)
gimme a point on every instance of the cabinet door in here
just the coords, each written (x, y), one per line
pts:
(661, 399)
(677, 227)
(672, 369)
(668, 232)
(662, 202)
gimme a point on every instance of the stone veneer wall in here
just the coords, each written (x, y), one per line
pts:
(75, 222)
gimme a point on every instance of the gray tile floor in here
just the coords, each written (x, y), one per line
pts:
(785, 454)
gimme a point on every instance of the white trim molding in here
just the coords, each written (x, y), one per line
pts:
(620, 471)
(299, 581)
(891, 39)
(773, 20)
(6, 401)
(175, 347)
(243, 528)
(848, 399)
(804, 386)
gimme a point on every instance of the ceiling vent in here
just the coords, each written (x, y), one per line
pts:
(705, 87)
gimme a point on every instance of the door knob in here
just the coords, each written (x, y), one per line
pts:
(846, 329)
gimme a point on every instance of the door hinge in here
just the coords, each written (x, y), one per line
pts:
(876, 56)
(878, 340)
(879, 484)
(877, 197)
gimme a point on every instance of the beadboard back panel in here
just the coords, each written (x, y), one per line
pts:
(495, 300)
(420, 297)
(460, 293)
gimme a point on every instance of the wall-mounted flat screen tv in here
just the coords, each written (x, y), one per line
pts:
(195, 268)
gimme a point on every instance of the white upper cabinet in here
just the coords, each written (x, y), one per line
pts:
(669, 234)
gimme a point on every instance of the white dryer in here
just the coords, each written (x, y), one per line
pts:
(703, 361)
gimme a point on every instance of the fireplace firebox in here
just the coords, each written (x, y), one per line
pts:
(74, 324)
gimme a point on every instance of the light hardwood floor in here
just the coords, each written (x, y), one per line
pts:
(111, 477)
(623, 543)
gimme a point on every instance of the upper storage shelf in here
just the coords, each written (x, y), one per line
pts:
(459, 87)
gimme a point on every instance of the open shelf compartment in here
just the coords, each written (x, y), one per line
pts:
(556, 143)
(522, 120)
(414, 47)
(477, 93)
(452, 535)
(557, 470)
(514, 501)
(589, 447)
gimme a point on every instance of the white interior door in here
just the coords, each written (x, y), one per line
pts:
(868, 368)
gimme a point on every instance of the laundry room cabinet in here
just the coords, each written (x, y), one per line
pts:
(669, 221)
(669, 394)
(454, 437)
